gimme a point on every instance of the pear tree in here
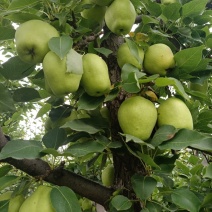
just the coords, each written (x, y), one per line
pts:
(106, 105)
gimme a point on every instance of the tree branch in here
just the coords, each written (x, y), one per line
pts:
(59, 176)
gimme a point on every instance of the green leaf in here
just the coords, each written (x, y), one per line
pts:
(74, 62)
(26, 95)
(5, 169)
(193, 8)
(64, 199)
(54, 138)
(6, 101)
(153, 207)
(188, 59)
(83, 148)
(208, 172)
(50, 151)
(21, 17)
(182, 139)
(15, 69)
(6, 33)
(186, 199)
(20, 149)
(147, 159)
(21, 4)
(148, 79)
(61, 45)
(203, 144)
(164, 81)
(89, 125)
(7, 181)
(87, 102)
(131, 85)
(43, 110)
(4, 205)
(104, 51)
(143, 186)
(172, 11)
(207, 202)
(121, 203)
(164, 133)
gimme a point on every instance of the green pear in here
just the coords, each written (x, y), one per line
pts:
(31, 39)
(38, 201)
(95, 13)
(58, 79)
(137, 116)
(95, 78)
(124, 56)
(158, 58)
(174, 111)
(15, 203)
(102, 2)
(86, 204)
(120, 16)
(108, 175)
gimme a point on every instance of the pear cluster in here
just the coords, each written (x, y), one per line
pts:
(138, 116)
(118, 15)
(157, 59)
(62, 76)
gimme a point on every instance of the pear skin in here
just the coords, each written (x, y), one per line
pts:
(95, 78)
(120, 16)
(175, 112)
(158, 58)
(57, 78)
(137, 116)
(32, 39)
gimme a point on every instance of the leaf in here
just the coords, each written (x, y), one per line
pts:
(182, 139)
(7, 33)
(104, 51)
(50, 151)
(26, 95)
(204, 144)
(21, 4)
(4, 170)
(147, 159)
(74, 62)
(21, 17)
(186, 199)
(87, 102)
(188, 59)
(121, 203)
(165, 81)
(172, 11)
(83, 148)
(6, 101)
(89, 125)
(43, 110)
(54, 138)
(143, 186)
(207, 202)
(193, 8)
(15, 69)
(20, 149)
(208, 172)
(164, 133)
(131, 85)
(64, 199)
(61, 45)
(7, 181)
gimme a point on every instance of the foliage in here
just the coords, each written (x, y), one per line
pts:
(177, 162)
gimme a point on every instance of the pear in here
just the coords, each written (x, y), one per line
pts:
(58, 79)
(124, 56)
(120, 16)
(174, 111)
(38, 201)
(31, 39)
(102, 2)
(137, 116)
(15, 203)
(169, 1)
(158, 58)
(95, 78)
(95, 13)
(108, 175)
